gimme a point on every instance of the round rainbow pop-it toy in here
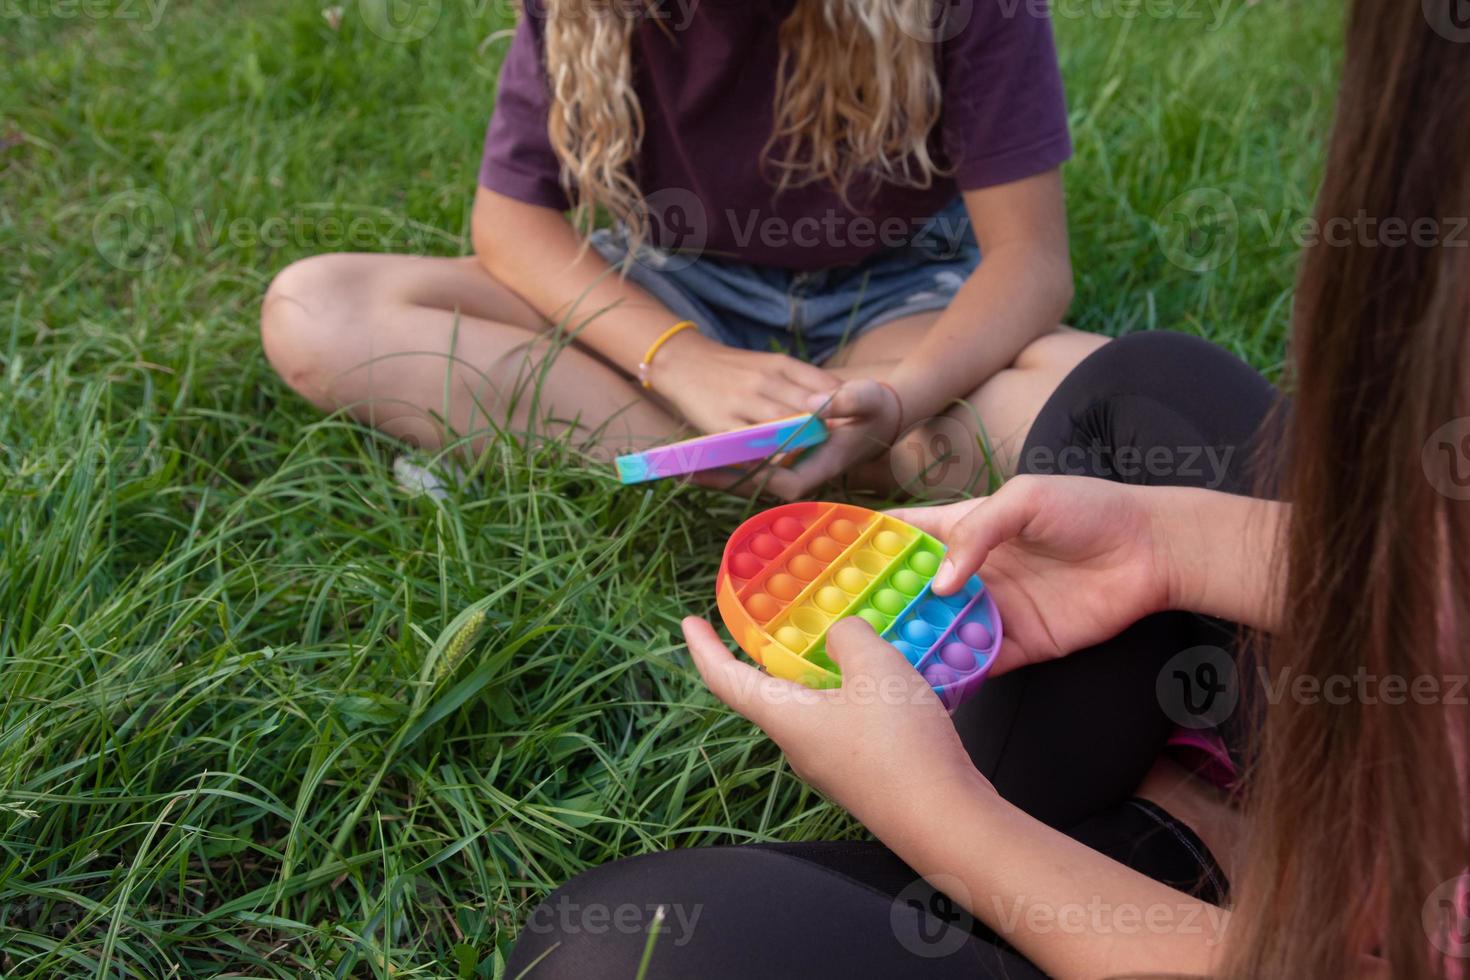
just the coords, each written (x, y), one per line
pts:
(791, 572)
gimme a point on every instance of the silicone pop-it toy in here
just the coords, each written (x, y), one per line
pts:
(791, 572)
(723, 449)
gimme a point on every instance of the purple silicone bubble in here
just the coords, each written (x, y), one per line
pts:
(976, 635)
(959, 656)
(939, 676)
(970, 630)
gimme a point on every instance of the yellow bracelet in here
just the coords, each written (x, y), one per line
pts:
(663, 338)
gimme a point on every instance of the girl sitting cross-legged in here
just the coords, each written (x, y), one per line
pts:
(834, 203)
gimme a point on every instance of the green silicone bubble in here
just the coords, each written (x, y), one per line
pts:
(907, 582)
(888, 601)
(924, 562)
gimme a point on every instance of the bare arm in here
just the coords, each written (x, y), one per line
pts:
(1070, 910)
(537, 253)
(883, 747)
(1020, 290)
(1221, 552)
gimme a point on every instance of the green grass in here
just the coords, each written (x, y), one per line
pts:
(259, 711)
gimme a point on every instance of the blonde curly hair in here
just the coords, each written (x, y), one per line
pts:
(857, 94)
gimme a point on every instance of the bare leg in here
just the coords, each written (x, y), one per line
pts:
(942, 457)
(409, 344)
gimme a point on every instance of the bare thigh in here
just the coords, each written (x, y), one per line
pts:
(428, 349)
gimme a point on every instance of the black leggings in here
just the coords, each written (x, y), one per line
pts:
(1068, 741)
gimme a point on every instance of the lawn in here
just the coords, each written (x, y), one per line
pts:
(261, 711)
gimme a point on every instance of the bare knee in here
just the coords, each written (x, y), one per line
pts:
(303, 322)
(1059, 351)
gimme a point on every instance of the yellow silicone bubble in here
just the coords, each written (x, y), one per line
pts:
(790, 637)
(851, 579)
(783, 586)
(810, 620)
(805, 567)
(870, 561)
(888, 542)
(762, 606)
(831, 599)
(825, 549)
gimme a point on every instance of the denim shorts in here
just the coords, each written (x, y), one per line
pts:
(806, 314)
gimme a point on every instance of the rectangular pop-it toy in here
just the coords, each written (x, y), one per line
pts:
(788, 574)
(723, 449)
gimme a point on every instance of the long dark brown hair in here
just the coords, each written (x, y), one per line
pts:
(1357, 810)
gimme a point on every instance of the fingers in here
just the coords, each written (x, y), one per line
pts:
(860, 398)
(731, 479)
(860, 652)
(791, 397)
(936, 520)
(810, 377)
(756, 696)
(1003, 517)
(759, 409)
(824, 463)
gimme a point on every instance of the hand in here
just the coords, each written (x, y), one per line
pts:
(718, 388)
(863, 418)
(875, 745)
(1070, 561)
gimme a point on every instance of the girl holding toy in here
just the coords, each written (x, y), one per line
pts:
(1350, 854)
(803, 193)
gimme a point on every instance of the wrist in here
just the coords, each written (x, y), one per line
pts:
(676, 353)
(1170, 534)
(912, 824)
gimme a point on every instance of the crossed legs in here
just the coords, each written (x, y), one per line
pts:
(431, 348)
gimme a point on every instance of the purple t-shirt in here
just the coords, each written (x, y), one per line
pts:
(706, 79)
